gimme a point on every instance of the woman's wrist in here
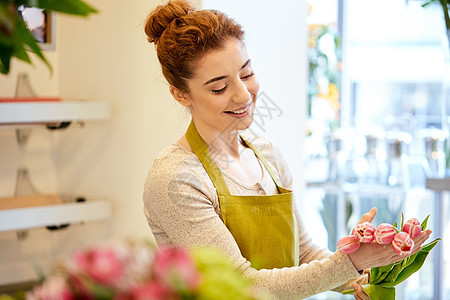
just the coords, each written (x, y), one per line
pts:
(354, 259)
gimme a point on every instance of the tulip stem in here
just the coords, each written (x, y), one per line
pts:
(348, 292)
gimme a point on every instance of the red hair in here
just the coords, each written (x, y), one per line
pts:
(183, 34)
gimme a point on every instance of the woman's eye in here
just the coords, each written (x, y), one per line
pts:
(248, 76)
(220, 91)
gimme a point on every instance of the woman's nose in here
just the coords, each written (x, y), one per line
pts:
(241, 93)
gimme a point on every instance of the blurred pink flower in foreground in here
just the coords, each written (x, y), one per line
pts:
(54, 288)
(412, 227)
(385, 233)
(402, 243)
(152, 291)
(176, 268)
(364, 232)
(102, 265)
(348, 244)
(137, 270)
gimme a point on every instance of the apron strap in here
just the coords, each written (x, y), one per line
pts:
(200, 148)
(265, 163)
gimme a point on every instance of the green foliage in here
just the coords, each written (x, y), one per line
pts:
(381, 292)
(424, 223)
(384, 279)
(16, 40)
(411, 267)
(320, 66)
(445, 4)
(220, 280)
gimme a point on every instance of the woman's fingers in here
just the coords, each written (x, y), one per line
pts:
(421, 239)
(369, 216)
(360, 294)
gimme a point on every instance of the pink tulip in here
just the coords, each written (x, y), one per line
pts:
(348, 244)
(412, 227)
(54, 288)
(175, 267)
(385, 233)
(152, 291)
(102, 265)
(364, 232)
(402, 243)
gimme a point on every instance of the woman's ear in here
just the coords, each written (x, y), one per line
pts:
(180, 96)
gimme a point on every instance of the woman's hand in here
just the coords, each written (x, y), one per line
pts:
(360, 294)
(373, 255)
(368, 216)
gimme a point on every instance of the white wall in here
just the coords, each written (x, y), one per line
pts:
(107, 58)
(114, 62)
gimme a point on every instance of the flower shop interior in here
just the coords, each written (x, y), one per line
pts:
(356, 93)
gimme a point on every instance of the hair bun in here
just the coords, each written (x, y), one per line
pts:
(163, 15)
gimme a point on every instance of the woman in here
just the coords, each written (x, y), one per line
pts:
(220, 186)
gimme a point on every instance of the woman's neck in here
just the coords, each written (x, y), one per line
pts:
(222, 143)
(219, 143)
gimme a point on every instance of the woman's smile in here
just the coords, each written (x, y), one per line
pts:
(240, 112)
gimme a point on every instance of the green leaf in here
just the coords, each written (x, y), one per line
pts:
(348, 292)
(377, 292)
(5, 59)
(220, 279)
(374, 274)
(402, 222)
(381, 277)
(409, 260)
(3, 70)
(425, 222)
(430, 245)
(74, 7)
(386, 268)
(395, 225)
(393, 273)
(22, 54)
(101, 292)
(29, 40)
(380, 273)
(413, 267)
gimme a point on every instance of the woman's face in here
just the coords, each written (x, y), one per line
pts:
(223, 90)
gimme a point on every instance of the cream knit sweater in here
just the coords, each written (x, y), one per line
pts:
(182, 208)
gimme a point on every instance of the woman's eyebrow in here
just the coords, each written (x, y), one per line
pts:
(246, 63)
(222, 77)
(215, 79)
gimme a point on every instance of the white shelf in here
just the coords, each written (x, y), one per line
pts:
(53, 112)
(25, 114)
(40, 216)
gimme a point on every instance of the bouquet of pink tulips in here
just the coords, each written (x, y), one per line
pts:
(138, 271)
(382, 280)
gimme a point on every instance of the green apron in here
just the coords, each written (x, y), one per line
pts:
(264, 227)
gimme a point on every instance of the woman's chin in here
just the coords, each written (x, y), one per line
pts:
(241, 124)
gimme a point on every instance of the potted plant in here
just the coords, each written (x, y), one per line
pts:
(15, 38)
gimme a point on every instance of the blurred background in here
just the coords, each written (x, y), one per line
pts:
(354, 92)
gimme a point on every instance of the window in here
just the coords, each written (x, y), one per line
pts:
(377, 118)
